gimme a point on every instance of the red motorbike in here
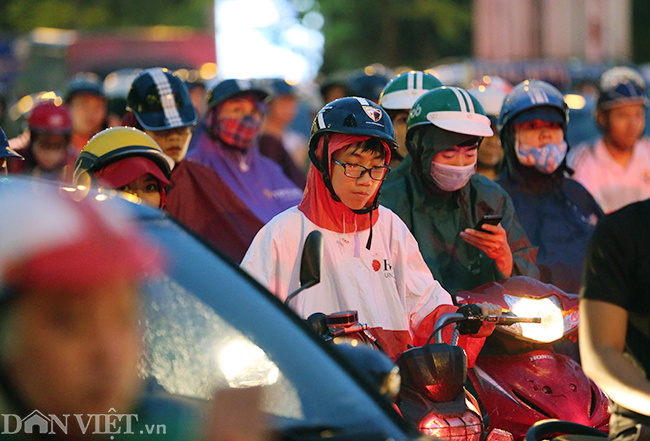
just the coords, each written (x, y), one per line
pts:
(519, 378)
(433, 394)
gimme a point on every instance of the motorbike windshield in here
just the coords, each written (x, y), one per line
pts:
(208, 326)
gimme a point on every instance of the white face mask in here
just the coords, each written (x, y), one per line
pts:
(451, 177)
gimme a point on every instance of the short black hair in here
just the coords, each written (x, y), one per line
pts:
(374, 145)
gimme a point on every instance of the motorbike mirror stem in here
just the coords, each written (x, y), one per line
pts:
(310, 263)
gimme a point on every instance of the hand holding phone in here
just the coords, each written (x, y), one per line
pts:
(492, 219)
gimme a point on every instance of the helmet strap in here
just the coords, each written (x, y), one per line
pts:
(323, 166)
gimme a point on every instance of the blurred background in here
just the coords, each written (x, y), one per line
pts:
(314, 44)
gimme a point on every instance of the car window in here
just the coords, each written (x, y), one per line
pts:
(192, 351)
(209, 325)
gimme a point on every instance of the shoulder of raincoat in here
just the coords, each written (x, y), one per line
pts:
(437, 218)
(559, 219)
(220, 217)
(257, 180)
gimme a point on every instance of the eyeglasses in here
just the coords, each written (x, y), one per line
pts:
(355, 171)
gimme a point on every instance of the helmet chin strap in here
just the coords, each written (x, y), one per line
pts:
(322, 165)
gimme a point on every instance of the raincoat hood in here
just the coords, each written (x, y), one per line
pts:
(318, 203)
(529, 177)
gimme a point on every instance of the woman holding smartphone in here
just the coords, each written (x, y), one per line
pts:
(438, 194)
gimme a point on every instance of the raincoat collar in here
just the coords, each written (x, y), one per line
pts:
(317, 203)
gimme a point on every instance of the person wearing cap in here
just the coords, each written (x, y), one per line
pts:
(616, 168)
(87, 102)
(125, 159)
(48, 154)
(371, 262)
(438, 194)
(6, 153)
(558, 213)
(229, 145)
(490, 154)
(220, 217)
(282, 108)
(397, 98)
(159, 104)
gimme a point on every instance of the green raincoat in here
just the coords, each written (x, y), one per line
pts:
(436, 219)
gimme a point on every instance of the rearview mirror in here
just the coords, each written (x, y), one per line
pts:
(310, 263)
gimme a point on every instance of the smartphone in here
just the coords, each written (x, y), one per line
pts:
(492, 219)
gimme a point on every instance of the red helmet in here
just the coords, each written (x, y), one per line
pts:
(47, 117)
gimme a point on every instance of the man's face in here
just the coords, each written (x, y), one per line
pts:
(623, 125)
(399, 124)
(173, 142)
(88, 112)
(76, 352)
(355, 193)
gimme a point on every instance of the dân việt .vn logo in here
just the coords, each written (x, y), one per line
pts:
(111, 423)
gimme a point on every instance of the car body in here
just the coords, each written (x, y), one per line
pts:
(207, 325)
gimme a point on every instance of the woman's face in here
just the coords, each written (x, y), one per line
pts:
(146, 187)
(538, 133)
(50, 150)
(240, 107)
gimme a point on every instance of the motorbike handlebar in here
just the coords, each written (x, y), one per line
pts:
(503, 320)
(509, 320)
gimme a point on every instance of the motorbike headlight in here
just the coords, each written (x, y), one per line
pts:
(244, 364)
(468, 427)
(548, 308)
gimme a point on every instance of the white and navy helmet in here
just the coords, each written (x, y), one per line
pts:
(403, 90)
(160, 100)
(621, 85)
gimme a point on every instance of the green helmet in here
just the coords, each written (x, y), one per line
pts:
(403, 90)
(452, 109)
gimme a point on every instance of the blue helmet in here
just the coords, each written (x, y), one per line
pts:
(533, 99)
(528, 101)
(85, 82)
(5, 150)
(621, 85)
(368, 86)
(160, 100)
(231, 88)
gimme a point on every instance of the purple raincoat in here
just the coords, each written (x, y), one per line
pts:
(258, 181)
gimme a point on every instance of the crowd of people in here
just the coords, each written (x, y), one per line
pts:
(396, 175)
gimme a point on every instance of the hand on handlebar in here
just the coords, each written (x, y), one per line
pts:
(490, 308)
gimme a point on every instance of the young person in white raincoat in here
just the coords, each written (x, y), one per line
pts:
(371, 262)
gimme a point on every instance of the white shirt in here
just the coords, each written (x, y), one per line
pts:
(612, 185)
(390, 285)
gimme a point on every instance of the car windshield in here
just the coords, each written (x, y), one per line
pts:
(208, 326)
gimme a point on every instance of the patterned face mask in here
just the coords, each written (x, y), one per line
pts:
(451, 177)
(238, 132)
(545, 159)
